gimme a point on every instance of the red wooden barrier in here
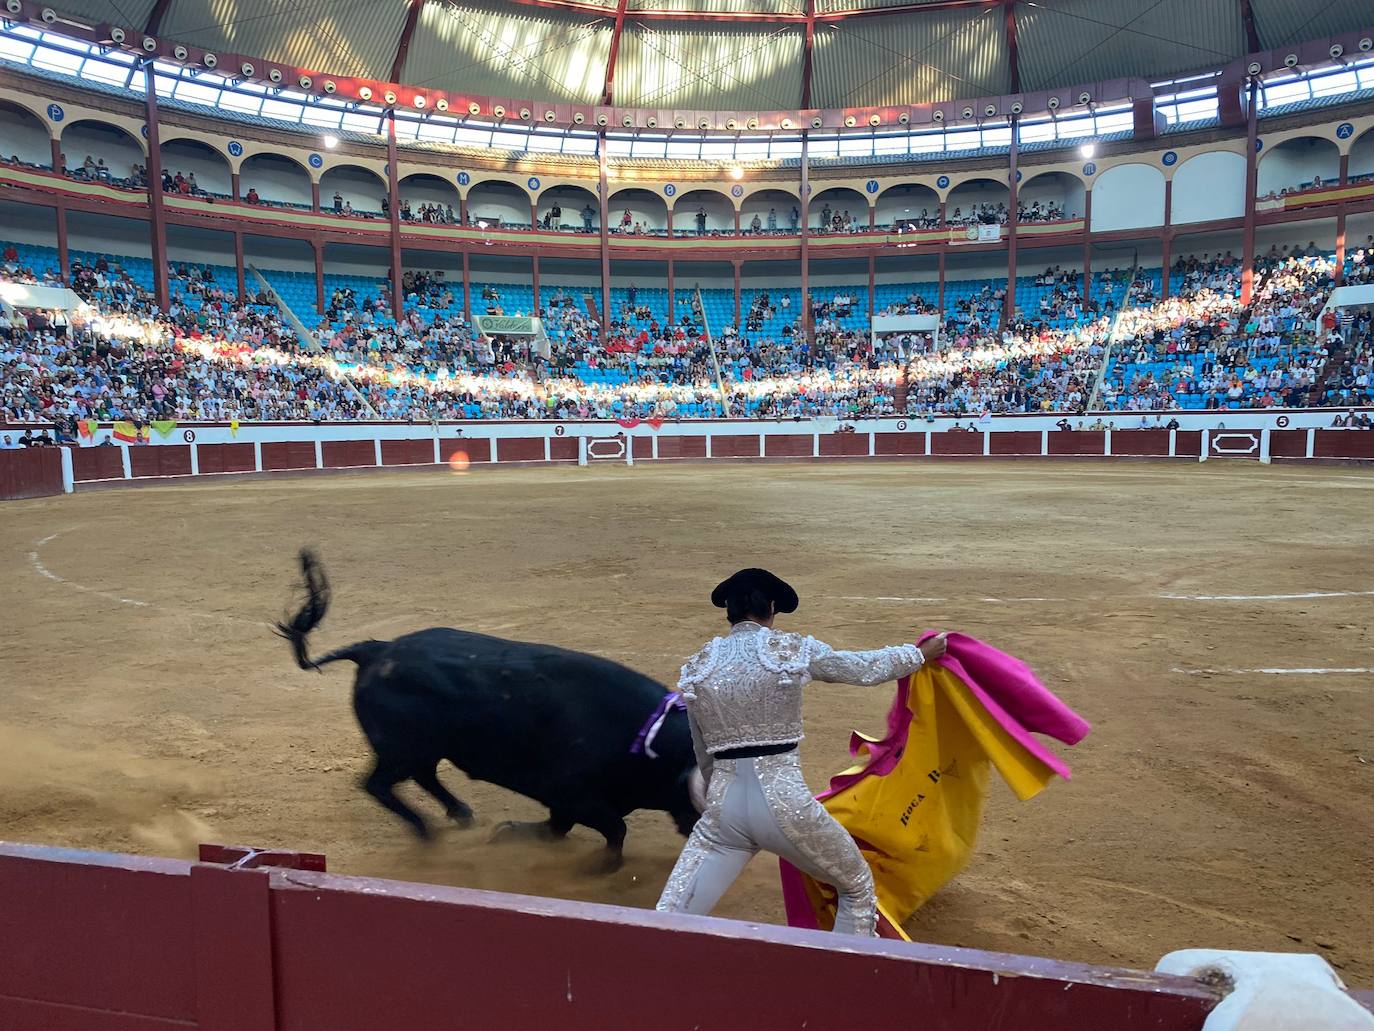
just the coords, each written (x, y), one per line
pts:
(788, 445)
(1017, 442)
(742, 445)
(100, 463)
(164, 460)
(476, 450)
(640, 447)
(899, 443)
(956, 443)
(1288, 444)
(233, 458)
(1078, 442)
(98, 942)
(412, 452)
(520, 449)
(564, 449)
(682, 447)
(1152, 443)
(351, 454)
(30, 473)
(1188, 443)
(836, 445)
(291, 454)
(1344, 444)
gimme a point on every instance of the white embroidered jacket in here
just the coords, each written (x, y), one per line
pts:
(745, 690)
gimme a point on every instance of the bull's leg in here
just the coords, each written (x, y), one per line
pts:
(603, 819)
(555, 828)
(458, 811)
(380, 784)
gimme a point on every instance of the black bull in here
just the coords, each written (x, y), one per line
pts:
(554, 725)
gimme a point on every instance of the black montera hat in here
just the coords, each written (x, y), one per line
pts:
(783, 596)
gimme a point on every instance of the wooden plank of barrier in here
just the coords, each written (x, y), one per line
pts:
(846, 445)
(735, 445)
(98, 463)
(160, 460)
(1150, 443)
(1288, 444)
(1344, 444)
(225, 458)
(953, 442)
(415, 452)
(288, 454)
(682, 447)
(1078, 442)
(1015, 442)
(30, 473)
(899, 444)
(520, 449)
(788, 445)
(347, 454)
(106, 941)
(476, 449)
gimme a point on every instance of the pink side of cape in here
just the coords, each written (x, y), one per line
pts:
(1004, 685)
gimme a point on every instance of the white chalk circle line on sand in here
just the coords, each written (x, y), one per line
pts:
(37, 562)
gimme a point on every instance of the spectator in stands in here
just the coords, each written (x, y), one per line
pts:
(338, 203)
(588, 213)
(252, 197)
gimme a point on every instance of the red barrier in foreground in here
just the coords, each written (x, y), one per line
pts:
(30, 473)
(102, 942)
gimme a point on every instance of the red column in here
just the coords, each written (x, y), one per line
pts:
(872, 217)
(1339, 277)
(805, 313)
(942, 274)
(319, 277)
(467, 290)
(872, 263)
(605, 236)
(1087, 245)
(462, 210)
(157, 221)
(942, 214)
(672, 299)
(1167, 239)
(394, 201)
(670, 223)
(238, 263)
(315, 196)
(234, 186)
(1247, 258)
(737, 221)
(57, 162)
(534, 213)
(64, 264)
(736, 263)
(1009, 309)
(534, 278)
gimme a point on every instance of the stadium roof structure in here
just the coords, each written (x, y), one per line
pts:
(738, 54)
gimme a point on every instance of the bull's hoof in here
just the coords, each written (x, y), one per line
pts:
(607, 862)
(463, 821)
(518, 830)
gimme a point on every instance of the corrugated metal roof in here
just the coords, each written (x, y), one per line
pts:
(1065, 42)
(116, 12)
(829, 6)
(723, 6)
(508, 51)
(342, 37)
(709, 66)
(1280, 22)
(911, 59)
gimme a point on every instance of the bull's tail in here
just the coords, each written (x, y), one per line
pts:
(311, 614)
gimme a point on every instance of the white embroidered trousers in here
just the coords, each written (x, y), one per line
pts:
(763, 804)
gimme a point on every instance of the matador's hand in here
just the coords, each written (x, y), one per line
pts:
(934, 647)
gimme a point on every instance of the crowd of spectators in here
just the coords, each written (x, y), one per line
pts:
(212, 356)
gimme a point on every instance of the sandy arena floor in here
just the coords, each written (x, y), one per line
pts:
(144, 706)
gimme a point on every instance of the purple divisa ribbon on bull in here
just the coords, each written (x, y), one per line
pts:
(644, 740)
